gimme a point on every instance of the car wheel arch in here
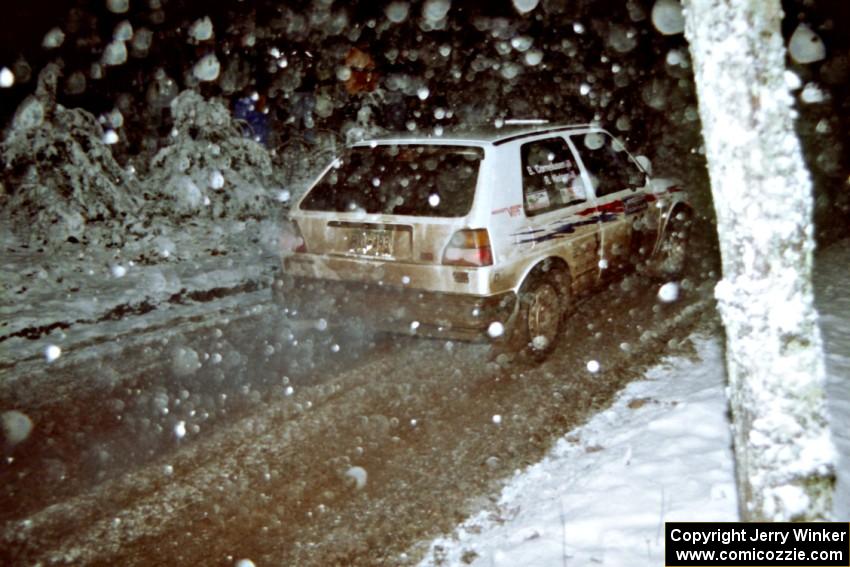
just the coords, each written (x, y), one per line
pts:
(550, 265)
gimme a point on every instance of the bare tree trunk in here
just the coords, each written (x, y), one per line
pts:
(763, 198)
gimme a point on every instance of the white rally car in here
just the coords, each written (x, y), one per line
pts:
(476, 235)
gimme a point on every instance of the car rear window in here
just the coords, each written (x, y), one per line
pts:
(413, 180)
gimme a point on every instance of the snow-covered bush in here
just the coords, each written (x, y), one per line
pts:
(61, 180)
(209, 168)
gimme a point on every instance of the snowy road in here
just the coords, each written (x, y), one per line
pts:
(119, 403)
(191, 461)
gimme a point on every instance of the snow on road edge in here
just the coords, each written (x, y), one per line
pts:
(99, 305)
(661, 452)
(832, 296)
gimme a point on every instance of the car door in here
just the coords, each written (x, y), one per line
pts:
(556, 203)
(619, 187)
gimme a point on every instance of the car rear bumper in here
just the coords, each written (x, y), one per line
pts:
(395, 308)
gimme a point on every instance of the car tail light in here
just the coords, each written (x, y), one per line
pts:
(469, 247)
(290, 238)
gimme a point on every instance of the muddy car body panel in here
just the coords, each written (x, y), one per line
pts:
(438, 235)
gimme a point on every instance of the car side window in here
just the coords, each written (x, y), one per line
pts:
(609, 166)
(550, 176)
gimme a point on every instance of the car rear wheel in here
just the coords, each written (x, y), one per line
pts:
(542, 304)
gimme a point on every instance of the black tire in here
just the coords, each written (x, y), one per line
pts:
(543, 302)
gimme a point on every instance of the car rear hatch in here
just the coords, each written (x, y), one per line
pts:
(393, 203)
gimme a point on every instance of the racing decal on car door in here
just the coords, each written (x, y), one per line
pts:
(561, 229)
(608, 212)
(628, 205)
(605, 213)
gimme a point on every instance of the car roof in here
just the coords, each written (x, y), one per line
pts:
(473, 136)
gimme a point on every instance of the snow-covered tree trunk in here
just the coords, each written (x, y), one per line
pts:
(763, 199)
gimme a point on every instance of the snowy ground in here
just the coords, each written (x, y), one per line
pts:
(661, 452)
(71, 297)
(832, 287)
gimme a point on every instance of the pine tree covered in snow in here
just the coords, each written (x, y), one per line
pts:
(209, 168)
(763, 200)
(60, 177)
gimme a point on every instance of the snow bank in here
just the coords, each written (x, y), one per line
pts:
(209, 169)
(61, 180)
(85, 241)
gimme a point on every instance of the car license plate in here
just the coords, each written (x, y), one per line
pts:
(372, 242)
